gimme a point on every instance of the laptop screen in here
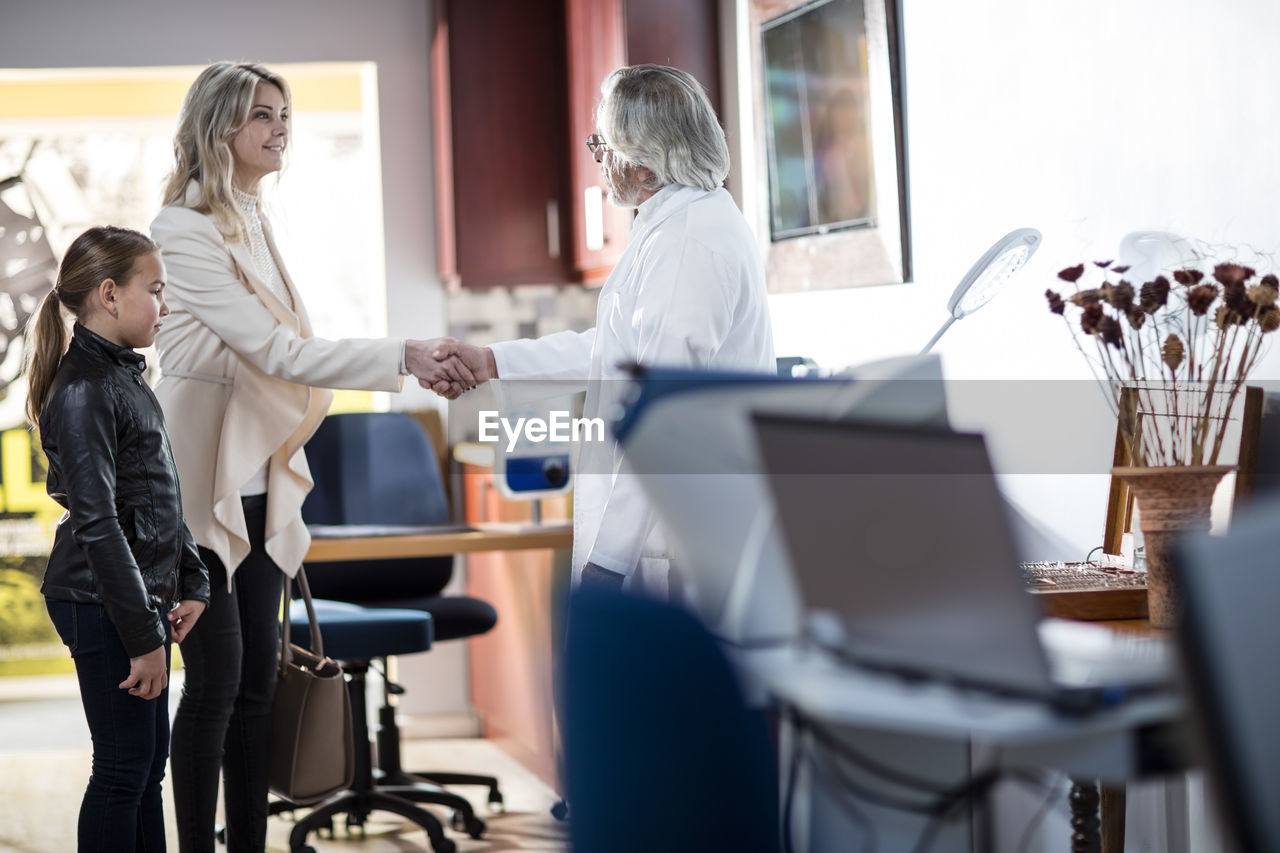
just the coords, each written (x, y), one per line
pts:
(899, 538)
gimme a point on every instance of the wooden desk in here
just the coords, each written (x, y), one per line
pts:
(485, 537)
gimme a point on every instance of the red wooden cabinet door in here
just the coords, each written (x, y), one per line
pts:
(506, 111)
(596, 46)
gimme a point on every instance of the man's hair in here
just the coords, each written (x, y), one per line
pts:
(660, 118)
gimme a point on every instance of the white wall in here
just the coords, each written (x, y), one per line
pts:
(1086, 120)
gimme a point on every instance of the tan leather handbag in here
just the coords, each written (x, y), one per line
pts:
(312, 751)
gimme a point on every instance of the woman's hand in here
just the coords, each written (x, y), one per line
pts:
(478, 361)
(183, 617)
(148, 674)
(437, 369)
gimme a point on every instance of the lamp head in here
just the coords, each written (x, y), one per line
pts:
(996, 266)
(985, 278)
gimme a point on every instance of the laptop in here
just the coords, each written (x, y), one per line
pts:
(905, 560)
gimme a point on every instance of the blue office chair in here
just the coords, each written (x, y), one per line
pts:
(380, 468)
(661, 752)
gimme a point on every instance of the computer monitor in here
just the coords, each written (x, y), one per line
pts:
(689, 437)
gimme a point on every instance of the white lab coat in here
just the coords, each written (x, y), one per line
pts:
(688, 291)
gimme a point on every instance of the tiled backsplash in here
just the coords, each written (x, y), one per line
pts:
(529, 311)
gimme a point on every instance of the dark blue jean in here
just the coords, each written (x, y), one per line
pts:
(121, 809)
(224, 717)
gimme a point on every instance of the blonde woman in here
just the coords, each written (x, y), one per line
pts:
(242, 389)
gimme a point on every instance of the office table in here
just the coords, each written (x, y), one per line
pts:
(1010, 733)
(353, 542)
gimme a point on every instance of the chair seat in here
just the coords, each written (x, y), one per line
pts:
(354, 632)
(454, 616)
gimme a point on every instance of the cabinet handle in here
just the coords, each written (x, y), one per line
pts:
(553, 228)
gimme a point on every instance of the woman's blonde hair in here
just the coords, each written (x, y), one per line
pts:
(96, 255)
(214, 110)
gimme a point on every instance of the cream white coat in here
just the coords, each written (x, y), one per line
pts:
(688, 291)
(237, 374)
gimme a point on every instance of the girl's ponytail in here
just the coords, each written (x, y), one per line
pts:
(46, 342)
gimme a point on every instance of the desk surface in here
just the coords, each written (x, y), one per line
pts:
(844, 695)
(485, 537)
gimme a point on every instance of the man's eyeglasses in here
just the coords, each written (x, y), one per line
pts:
(598, 146)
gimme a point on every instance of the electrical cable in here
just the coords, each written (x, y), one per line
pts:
(873, 766)
(789, 795)
(855, 814)
(947, 799)
(1028, 832)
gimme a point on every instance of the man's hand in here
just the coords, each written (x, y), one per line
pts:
(446, 374)
(601, 578)
(148, 674)
(478, 361)
(183, 617)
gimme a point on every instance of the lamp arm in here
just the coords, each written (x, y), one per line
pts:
(938, 334)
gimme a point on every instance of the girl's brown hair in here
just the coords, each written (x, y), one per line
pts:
(95, 256)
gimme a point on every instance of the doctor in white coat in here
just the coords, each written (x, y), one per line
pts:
(688, 291)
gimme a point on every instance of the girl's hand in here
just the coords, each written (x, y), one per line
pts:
(182, 618)
(148, 674)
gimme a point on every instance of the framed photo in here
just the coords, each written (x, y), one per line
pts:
(832, 137)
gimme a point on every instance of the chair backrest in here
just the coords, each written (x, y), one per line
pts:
(1228, 634)
(661, 752)
(373, 468)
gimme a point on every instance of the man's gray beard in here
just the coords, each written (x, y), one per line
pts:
(623, 192)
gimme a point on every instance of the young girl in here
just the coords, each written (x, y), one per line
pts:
(124, 575)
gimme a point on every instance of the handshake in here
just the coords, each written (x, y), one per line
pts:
(448, 366)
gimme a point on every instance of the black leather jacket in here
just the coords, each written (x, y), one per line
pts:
(123, 542)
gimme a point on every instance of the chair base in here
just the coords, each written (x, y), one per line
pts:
(367, 795)
(357, 805)
(392, 773)
(432, 777)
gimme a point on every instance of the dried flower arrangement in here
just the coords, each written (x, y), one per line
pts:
(1185, 348)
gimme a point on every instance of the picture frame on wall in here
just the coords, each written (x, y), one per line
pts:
(831, 132)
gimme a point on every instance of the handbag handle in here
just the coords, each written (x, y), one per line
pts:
(317, 642)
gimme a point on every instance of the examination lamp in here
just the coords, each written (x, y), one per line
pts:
(985, 278)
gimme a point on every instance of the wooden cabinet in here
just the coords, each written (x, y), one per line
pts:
(516, 84)
(520, 199)
(596, 47)
(503, 136)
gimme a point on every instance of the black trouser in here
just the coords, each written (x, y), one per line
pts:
(121, 809)
(224, 717)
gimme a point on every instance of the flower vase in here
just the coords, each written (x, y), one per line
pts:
(1172, 500)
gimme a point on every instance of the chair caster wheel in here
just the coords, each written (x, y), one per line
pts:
(444, 845)
(496, 804)
(560, 811)
(472, 826)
